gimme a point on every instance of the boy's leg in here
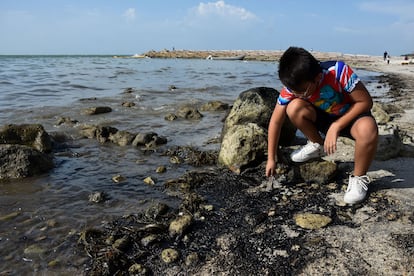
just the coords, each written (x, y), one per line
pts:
(303, 115)
(365, 133)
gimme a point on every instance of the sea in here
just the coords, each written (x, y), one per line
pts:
(41, 217)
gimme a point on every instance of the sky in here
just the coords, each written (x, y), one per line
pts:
(136, 26)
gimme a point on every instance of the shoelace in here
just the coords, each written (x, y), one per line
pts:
(363, 183)
(310, 147)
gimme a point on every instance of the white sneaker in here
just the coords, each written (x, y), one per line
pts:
(309, 151)
(357, 189)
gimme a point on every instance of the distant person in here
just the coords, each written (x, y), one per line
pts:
(385, 55)
(324, 97)
(388, 59)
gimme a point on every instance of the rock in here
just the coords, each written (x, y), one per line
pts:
(380, 115)
(97, 197)
(96, 110)
(19, 161)
(142, 139)
(121, 138)
(138, 269)
(147, 240)
(101, 133)
(192, 259)
(161, 169)
(88, 131)
(104, 132)
(156, 210)
(118, 178)
(148, 180)
(189, 113)
(389, 143)
(66, 120)
(180, 224)
(32, 135)
(169, 255)
(243, 146)
(121, 244)
(214, 106)
(256, 105)
(170, 117)
(244, 134)
(311, 221)
(128, 104)
(319, 172)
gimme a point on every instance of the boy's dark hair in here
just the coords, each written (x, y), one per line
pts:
(297, 66)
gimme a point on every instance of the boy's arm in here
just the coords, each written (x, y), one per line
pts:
(362, 102)
(275, 125)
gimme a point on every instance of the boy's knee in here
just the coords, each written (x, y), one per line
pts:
(365, 130)
(298, 108)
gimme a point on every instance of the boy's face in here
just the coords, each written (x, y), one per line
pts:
(309, 88)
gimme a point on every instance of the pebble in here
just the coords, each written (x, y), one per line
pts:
(169, 255)
(312, 221)
(97, 197)
(148, 180)
(178, 226)
(118, 178)
(161, 169)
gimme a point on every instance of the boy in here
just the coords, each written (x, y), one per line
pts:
(325, 97)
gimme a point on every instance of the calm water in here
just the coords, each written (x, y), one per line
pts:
(48, 212)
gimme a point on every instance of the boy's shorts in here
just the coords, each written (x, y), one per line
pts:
(324, 121)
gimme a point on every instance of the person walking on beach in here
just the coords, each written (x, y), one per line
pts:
(329, 98)
(385, 55)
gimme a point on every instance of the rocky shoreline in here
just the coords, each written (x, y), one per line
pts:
(242, 223)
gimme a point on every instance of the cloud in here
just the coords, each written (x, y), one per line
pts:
(130, 14)
(222, 9)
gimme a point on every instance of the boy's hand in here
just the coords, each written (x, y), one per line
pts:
(270, 168)
(330, 139)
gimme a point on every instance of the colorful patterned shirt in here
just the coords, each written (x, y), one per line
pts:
(332, 92)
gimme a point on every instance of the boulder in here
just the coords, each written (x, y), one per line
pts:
(243, 146)
(256, 106)
(244, 134)
(18, 161)
(32, 135)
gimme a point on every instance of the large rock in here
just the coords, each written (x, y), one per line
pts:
(256, 105)
(18, 161)
(243, 146)
(32, 135)
(380, 115)
(244, 134)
